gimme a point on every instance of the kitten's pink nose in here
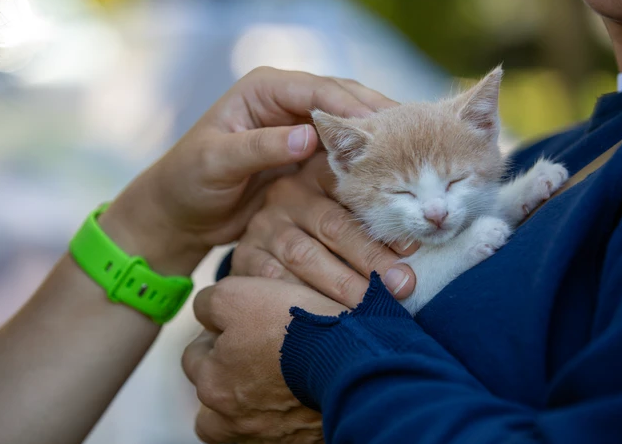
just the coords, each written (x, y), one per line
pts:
(435, 215)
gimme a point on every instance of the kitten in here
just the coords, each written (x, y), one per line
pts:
(431, 173)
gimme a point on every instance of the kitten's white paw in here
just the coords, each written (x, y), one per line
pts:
(488, 234)
(544, 179)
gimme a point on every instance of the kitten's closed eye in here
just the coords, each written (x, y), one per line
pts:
(403, 192)
(455, 181)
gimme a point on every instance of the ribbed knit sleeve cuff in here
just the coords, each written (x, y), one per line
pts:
(317, 349)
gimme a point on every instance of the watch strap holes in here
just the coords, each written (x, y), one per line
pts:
(142, 290)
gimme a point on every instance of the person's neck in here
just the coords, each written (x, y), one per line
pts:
(615, 32)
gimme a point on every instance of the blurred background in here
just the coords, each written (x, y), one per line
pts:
(92, 92)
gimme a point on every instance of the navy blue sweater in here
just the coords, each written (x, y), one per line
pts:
(526, 347)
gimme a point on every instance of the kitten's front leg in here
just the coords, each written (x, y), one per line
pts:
(437, 266)
(522, 195)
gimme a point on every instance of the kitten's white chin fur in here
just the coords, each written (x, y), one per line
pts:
(438, 236)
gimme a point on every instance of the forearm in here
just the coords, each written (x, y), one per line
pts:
(65, 355)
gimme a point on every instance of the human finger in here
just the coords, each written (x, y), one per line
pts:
(213, 428)
(286, 94)
(370, 97)
(239, 155)
(314, 264)
(195, 353)
(335, 227)
(249, 260)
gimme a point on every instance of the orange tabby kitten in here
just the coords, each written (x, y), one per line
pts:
(431, 172)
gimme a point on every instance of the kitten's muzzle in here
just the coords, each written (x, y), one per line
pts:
(435, 216)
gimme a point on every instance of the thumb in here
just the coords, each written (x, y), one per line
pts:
(248, 152)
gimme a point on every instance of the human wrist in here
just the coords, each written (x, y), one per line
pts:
(140, 227)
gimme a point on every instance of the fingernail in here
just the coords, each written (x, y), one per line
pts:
(395, 279)
(298, 139)
(406, 244)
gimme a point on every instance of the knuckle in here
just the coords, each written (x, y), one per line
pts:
(351, 82)
(242, 396)
(250, 426)
(244, 260)
(202, 301)
(206, 391)
(330, 82)
(203, 435)
(218, 299)
(206, 429)
(257, 226)
(298, 249)
(327, 84)
(261, 71)
(207, 158)
(344, 286)
(187, 362)
(257, 142)
(333, 224)
(375, 257)
(264, 69)
(271, 268)
(214, 397)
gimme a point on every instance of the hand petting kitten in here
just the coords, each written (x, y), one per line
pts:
(425, 176)
(431, 173)
(300, 229)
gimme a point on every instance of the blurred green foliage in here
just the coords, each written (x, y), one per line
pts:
(556, 53)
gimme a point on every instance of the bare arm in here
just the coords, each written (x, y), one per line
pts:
(65, 355)
(70, 349)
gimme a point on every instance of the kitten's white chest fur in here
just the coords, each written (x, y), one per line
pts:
(431, 173)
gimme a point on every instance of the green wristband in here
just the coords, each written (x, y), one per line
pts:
(127, 280)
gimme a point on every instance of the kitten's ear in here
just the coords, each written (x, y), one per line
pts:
(344, 141)
(479, 106)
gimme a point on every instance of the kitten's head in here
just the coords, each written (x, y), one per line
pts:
(419, 171)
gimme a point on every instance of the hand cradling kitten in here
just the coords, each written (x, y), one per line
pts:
(432, 173)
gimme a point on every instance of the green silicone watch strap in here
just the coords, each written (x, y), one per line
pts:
(127, 280)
